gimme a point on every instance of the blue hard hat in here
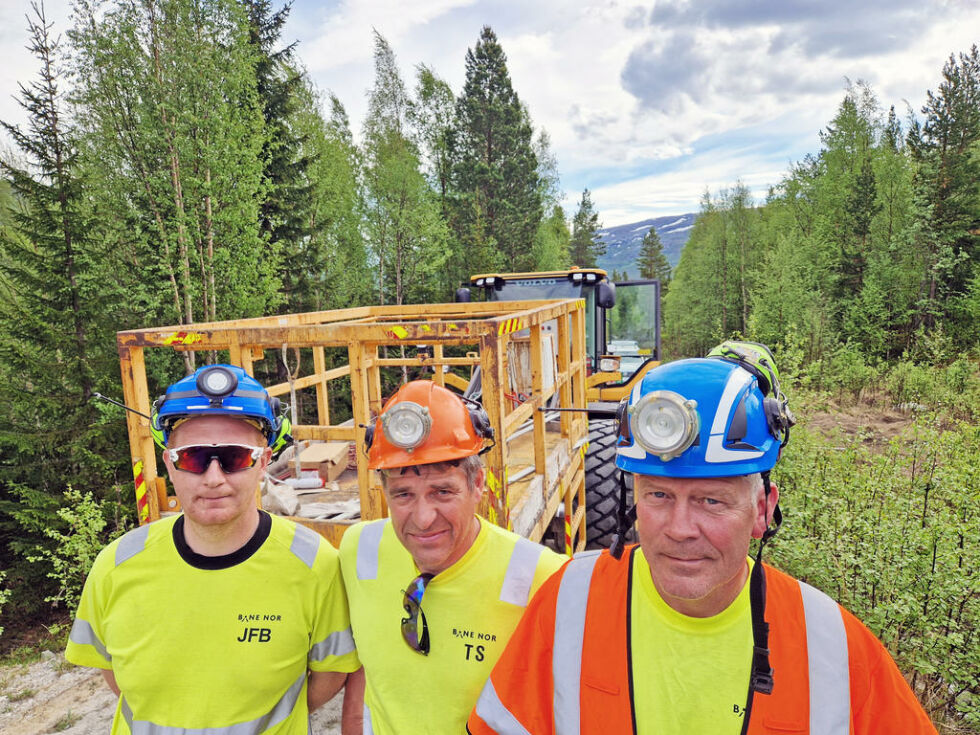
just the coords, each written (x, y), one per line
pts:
(219, 390)
(702, 417)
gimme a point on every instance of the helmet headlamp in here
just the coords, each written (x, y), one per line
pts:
(217, 382)
(664, 423)
(406, 424)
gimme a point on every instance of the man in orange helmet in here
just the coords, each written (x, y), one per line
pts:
(435, 590)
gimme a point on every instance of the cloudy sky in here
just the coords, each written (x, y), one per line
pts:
(647, 104)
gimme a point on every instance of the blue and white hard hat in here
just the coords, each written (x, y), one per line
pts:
(220, 390)
(701, 417)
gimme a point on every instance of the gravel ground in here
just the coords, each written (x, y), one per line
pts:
(52, 695)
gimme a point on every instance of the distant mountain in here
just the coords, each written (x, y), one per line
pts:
(623, 242)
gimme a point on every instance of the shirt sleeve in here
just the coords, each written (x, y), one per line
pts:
(881, 699)
(517, 698)
(332, 643)
(87, 641)
(548, 563)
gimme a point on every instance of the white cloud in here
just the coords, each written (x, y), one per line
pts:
(646, 107)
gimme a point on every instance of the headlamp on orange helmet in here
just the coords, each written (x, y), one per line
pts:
(424, 423)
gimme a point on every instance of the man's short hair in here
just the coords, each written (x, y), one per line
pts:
(470, 465)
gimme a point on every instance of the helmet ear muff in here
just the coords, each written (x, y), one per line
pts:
(157, 431)
(480, 422)
(779, 418)
(368, 437)
(622, 416)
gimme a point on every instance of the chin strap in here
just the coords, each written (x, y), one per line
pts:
(761, 677)
(625, 520)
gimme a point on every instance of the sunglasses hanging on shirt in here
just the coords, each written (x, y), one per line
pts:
(415, 631)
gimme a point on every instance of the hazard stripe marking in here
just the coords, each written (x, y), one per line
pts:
(183, 338)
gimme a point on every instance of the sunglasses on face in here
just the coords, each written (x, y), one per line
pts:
(415, 631)
(197, 458)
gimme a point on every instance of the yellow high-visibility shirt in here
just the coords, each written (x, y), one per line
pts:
(471, 610)
(213, 642)
(690, 675)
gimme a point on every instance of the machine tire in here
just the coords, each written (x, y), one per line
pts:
(602, 485)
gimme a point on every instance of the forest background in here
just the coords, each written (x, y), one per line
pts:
(179, 166)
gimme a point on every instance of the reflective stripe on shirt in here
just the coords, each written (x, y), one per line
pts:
(83, 634)
(367, 728)
(305, 545)
(826, 645)
(335, 644)
(566, 662)
(368, 545)
(516, 588)
(492, 711)
(131, 544)
(279, 712)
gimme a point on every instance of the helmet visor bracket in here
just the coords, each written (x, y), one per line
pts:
(406, 425)
(664, 423)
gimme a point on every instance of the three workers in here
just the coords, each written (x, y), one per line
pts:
(681, 633)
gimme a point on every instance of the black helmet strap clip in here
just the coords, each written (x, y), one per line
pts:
(625, 518)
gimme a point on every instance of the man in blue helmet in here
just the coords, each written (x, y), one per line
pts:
(684, 633)
(222, 618)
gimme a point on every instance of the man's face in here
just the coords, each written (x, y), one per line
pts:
(216, 498)
(434, 513)
(695, 535)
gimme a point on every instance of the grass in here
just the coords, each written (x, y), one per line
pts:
(24, 643)
(22, 694)
(66, 721)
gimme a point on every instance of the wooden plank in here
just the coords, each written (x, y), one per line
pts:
(326, 433)
(456, 382)
(322, 385)
(417, 361)
(520, 414)
(306, 381)
(141, 447)
(437, 358)
(491, 370)
(537, 356)
(371, 507)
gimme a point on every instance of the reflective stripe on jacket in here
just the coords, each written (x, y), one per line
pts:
(566, 670)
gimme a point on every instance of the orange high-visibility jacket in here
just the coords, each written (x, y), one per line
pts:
(566, 669)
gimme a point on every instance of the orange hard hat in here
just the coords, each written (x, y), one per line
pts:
(424, 423)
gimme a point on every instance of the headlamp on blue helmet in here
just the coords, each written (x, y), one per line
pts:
(664, 423)
(220, 390)
(697, 418)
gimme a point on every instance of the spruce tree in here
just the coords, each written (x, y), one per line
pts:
(284, 211)
(946, 148)
(56, 332)
(586, 245)
(652, 262)
(495, 173)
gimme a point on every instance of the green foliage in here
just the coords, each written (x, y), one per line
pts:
(75, 548)
(57, 316)
(652, 262)
(405, 230)
(870, 246)
(168, 101)
(497, 193)
(4, 595)
(586, 244)
(891, 533)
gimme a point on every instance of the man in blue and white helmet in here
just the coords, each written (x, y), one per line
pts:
(684, 633)
(222, 618)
